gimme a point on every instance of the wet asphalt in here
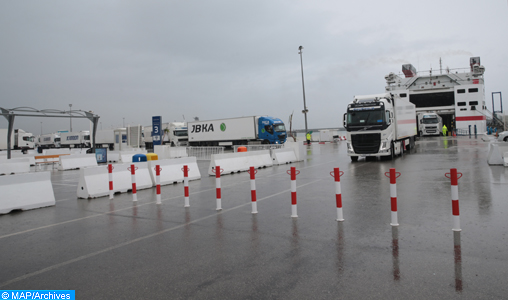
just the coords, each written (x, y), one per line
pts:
(117, 249)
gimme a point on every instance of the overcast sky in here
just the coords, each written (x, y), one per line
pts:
(223, 59)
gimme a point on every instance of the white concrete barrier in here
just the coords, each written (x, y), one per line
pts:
(26, 191)
(496, 150)
(505, 157)
(172, 169)
(166, 151)
(283, 156)
(240, 161)
(14, 166)
(299, 148)
(19, 154)
(126, 156)
(56, 151)
(94, 181)
(77, 161)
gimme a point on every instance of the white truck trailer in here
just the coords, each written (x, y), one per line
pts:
(429, 123)
(75, 139)
(237, 131)
(105, 139)
(50, 140)
(381, 125)
(20, 139)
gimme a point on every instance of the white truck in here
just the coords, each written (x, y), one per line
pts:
(237, 131)
(75, 139)
(50, 140)
(173, 133)
(429, 123)
(105, 139)
(381, 125)
(20, 139)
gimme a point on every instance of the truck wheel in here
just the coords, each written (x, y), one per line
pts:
(265, 142)
(505, 139)
(392, 152)
(354, 158)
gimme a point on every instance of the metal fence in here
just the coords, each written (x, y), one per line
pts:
(259, 147)
(204, 153)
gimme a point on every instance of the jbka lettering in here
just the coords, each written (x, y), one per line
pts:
(202, 128)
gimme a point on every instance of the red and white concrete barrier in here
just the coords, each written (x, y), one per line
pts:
(217, 170)
(158, 170)
(293, 172)
(110, 171)
(454, 178)
(252, 171)
(393, 194)
(133, 169)
(336, 173)
(185, 170)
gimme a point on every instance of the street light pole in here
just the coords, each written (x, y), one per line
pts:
(41, 128)
(70, 113)
(305, 110)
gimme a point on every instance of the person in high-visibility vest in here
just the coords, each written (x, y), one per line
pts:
(308, 138)
(444, 130)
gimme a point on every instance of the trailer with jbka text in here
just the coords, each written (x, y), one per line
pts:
(237, 131)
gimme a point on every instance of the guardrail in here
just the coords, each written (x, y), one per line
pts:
(204, 153)
(259, 147)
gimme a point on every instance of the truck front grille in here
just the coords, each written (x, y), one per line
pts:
(366, 143)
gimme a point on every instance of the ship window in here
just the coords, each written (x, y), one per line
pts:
(461, 91)
(473, 102)
(461, 103)
(475, 90)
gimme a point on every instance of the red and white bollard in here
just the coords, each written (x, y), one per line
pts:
(185, 170)
(252, 171)
(133, 169)
(293, 172)
(158, 170)
(454, 178)
(217, 172)
(393, 194)
(336, 173)
(110, 171)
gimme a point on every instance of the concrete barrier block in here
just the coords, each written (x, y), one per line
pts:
(56, 151)
(77, 161)
(14, 166)
(299, 148)
(126, 156)
(283, 156)
(172, 169)
(26, 191)
(505, 158)
(94, 181)
(494, 157)
(240, 161)
(166, 151)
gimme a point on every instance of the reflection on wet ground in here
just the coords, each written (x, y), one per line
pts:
(123, 249)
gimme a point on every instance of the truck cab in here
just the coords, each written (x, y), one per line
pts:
(380, 125)
(429, 124)
(271, 130)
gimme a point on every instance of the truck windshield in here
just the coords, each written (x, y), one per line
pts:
(365, 117)
(430, 121)
(279, 127)
(180, 132)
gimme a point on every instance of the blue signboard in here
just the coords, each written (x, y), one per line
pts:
(101, 154)
(156, 130)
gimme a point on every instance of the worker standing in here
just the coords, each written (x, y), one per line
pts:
(308, 138)
(444, 130)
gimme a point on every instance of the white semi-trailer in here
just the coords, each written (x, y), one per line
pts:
(20, 139)
(50, 140)
(75, 139)
(105, 139)
(381, 125)
(237, 131)
(429, 124)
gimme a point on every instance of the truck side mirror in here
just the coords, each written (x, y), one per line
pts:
(344, 120)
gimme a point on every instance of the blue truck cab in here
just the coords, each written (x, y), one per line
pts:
(271, 130)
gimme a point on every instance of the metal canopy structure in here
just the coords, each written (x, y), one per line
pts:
(10, 114)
